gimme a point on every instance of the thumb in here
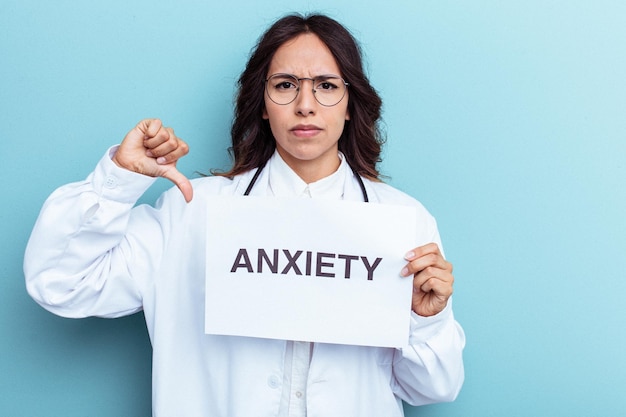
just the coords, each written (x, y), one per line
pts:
(183, 184)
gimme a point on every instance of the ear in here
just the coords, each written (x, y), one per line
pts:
(347, 114)
(265, 115)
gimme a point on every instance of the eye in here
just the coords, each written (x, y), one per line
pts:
(327, 84)
(282, 83)
(285, 85)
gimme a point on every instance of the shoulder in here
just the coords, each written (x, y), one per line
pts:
(386, 194)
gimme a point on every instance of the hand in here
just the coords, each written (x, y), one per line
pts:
(152, 149)
(432, 279)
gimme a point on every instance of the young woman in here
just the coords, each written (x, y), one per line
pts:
(305, 125)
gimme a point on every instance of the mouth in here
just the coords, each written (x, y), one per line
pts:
(306, 130)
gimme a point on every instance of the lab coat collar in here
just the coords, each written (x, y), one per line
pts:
(284, 182)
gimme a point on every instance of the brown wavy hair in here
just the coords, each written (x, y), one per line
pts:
(361, 140)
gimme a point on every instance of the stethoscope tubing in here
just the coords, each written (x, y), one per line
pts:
(260, 168)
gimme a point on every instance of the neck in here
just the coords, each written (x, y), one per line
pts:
(312, 170)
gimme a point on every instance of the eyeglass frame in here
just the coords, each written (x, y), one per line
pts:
(299, 80)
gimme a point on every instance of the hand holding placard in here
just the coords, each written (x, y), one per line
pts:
(432, 279)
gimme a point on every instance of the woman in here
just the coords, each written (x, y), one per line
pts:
(305, 124)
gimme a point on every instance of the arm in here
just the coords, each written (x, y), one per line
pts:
(430, 369)
(75, 260)
(88, 245)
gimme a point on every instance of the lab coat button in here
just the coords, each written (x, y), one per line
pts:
(273, 381)
(110, 182)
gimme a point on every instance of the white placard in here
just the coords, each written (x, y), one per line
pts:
(309, 270)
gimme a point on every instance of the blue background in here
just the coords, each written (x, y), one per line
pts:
(506, 119)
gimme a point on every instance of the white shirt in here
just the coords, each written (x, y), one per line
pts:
(92, 254)
(298, 354)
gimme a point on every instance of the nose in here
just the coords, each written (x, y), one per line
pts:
(306, 102)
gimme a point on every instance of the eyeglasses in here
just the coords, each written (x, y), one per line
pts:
(328, 90)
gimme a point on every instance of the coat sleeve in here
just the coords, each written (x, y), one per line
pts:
(88, 245)
(430, 369)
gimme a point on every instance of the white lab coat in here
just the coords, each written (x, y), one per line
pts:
(92, 254)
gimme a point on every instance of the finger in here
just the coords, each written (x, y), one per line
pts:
(429, 274)
(163, 135)
(174, 155)
(166, 147)
(183, 184)
(162, 149)
(428, 303)
(418, 253)
(427, 261)
(137, 135)
(436, 286)
(430, 248)
(150, 127)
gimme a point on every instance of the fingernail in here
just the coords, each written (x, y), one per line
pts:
(161, 160)
(149, 153)
(409, 255)
(405, 272)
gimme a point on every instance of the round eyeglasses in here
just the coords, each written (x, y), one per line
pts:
(328, 90)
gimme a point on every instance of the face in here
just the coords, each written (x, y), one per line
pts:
(306, 132)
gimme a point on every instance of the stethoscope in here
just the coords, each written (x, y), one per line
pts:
(260, 168)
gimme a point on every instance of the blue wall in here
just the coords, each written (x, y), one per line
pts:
(507, 119)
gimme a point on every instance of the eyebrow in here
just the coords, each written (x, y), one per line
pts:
(329, 75)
